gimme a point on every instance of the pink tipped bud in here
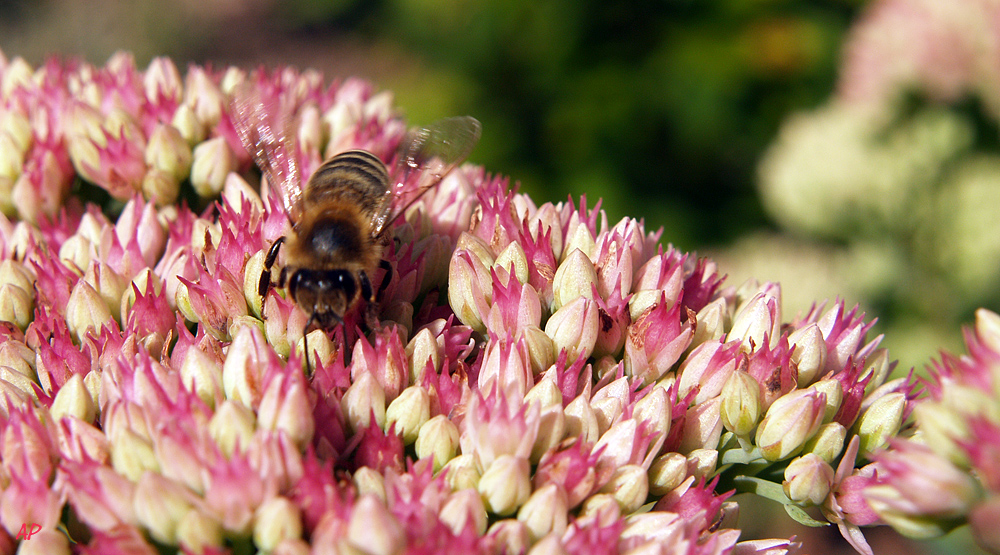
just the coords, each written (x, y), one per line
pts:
(74, 400)
(86, 310)
(362, 400)
(629, 485)
(574, 327)
(438, 438)
(160, 504)
(808, 480)
(468, 289)
(410, 411)
(212, 162)
(285, 407)
(463, 509)
(702, 426)
(276, 520)
(741, 403)
(809, 353)
(759, 318)
(370, 515)
(666, 473)
(575, 277)
(790, 421)
(506, 484)
(513, 260)
(18, 306)
(232, 426)
(544, 512)
(880, 422)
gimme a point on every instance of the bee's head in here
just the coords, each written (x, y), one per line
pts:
(324, 294)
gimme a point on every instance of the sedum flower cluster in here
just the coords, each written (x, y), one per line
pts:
(541, 381)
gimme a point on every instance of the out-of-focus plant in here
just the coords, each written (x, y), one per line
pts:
(897, 176)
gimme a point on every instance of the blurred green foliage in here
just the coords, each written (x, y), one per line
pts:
(661, 108)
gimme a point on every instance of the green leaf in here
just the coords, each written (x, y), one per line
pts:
(740, 456)
(799, 515)
(762, 488)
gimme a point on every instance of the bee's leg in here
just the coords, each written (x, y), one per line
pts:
(265, 276)
(366, 287)
(384, 264)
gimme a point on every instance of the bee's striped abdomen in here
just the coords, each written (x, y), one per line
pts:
(355, 176)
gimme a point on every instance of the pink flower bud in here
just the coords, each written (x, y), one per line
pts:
(544, 512)
(86, 311)
(506, 484)
(575, 277)
(160, 503)
(198, 532)
(807, 480)
(438, 438)
(515, 307)
(276, 520)
(630, 487)
(211, 163)
(656, 340)
(385, 361)
(741, 403)
(880, 422)
(983, 522)
(702, 426)
(666, 473)
(409, 412)
(468, 283)
(507, 367)
(464, 509)
(513, 260)
(921, 490)
(706, 370)
(574, 327)
(758, 322)
(162, 82)
(285, 407)
(790, 421)
(370, 514)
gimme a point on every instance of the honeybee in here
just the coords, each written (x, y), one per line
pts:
(342, 216)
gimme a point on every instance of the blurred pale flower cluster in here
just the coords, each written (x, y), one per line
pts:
(541, 381)
(896, 180)
(948, 473)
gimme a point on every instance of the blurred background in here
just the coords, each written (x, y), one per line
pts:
(846, 148)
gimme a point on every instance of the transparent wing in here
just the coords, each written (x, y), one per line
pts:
(262, 127)
(424, 158)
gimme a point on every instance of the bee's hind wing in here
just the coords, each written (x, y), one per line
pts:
(424, 158)
(263, 129)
